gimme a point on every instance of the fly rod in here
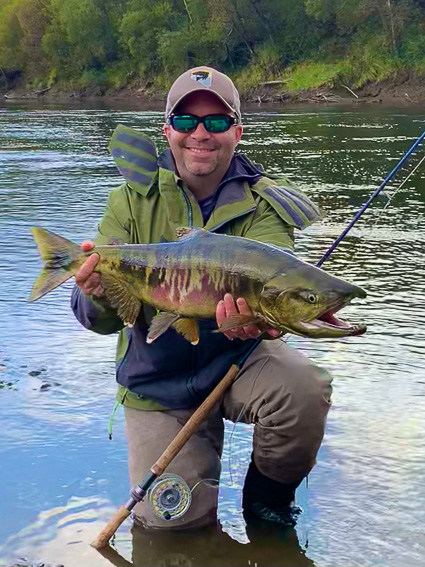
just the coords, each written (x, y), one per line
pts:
(359, 213)
(201, 413)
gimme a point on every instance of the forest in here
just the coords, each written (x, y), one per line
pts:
(299, 44)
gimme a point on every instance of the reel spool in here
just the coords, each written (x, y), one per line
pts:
(169, 497)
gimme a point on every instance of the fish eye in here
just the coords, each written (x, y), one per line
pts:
(309, 297)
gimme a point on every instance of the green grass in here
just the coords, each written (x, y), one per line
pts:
(312, 75)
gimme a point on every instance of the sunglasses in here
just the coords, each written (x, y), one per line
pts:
(214, 123)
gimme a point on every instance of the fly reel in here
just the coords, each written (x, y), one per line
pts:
(169, 497)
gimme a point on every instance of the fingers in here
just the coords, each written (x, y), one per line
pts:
(228, 307)
(251, 331)
(231, 309)
(86, 278)
(275, 333)
(87, 245)
(220, 316)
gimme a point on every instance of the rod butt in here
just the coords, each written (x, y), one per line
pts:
(111, 527)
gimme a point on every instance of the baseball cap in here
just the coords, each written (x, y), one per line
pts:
(204, 79)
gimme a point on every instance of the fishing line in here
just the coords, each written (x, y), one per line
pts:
(390, 198)
(370, 200)
(397, 190)
(282, 340)
(215, 480)
(328, 253)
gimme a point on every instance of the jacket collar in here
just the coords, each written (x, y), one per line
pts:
(232, 198)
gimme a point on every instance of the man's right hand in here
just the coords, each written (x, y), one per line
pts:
(86, 278)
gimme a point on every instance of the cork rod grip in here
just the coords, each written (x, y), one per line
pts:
(111, 527)
(194, 421)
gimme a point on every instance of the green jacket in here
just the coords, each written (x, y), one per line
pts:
(148, 208)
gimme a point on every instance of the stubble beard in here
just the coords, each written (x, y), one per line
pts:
(200, 169)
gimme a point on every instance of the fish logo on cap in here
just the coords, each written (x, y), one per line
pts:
(203, 76)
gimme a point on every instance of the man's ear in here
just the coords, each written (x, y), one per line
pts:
(166, 130)
(238, 133)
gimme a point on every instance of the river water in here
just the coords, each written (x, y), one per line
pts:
(61, 478)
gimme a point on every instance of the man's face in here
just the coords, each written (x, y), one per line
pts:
(202, 153)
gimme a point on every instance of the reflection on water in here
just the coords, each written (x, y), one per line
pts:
(64, 534)
(60, 476)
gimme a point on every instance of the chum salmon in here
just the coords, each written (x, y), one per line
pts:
(184, 281)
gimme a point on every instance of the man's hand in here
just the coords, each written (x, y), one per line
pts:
(228, 307)
(86, 278)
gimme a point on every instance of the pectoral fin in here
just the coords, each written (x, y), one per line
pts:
(238, 320)
(164, 320)
(120, 296)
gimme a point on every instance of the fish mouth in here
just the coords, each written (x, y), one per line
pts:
(327, 325)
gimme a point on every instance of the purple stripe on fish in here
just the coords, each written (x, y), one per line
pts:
(304, 208)
(136, 142)
(135, 159)
(133, 175)
(298, 221)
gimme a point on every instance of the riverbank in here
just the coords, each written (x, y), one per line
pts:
(404, 91)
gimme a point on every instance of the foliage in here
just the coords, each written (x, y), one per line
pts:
(306, 43)
(140, 29)
(22, 27)
(315, 74)
(264, 67)
(372, 59)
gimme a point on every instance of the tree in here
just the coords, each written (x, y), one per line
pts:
(81, 34)
(22, 27)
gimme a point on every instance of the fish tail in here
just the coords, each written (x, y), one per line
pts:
(61, 258)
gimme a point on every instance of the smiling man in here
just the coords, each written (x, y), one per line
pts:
(203, 154)
(201, 181)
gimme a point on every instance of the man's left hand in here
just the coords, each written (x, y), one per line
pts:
(228, 307)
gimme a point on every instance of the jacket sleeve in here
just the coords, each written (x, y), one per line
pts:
(95, 313)
(267, 226)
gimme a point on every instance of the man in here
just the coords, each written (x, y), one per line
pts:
(201, 181)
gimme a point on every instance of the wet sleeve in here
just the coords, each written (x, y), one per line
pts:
(95, 313)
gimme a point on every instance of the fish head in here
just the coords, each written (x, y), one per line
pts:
(305, 303)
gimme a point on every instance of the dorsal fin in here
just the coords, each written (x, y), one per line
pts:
(135, 156)
(290, 203)
(185, 232)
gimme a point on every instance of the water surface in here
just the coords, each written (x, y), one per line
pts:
(60, 476)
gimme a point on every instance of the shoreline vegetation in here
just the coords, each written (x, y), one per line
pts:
(276, 51)
(398, 92)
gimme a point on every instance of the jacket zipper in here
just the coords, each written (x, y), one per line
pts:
(188, 208)
(193, 357)
(190, 218)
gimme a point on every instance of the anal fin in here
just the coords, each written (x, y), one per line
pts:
(188, 328)
(120, 296)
